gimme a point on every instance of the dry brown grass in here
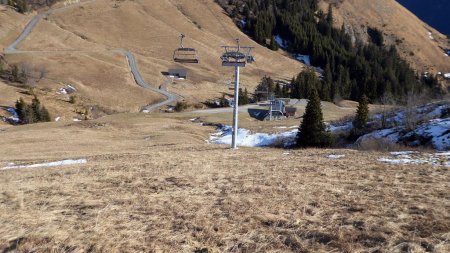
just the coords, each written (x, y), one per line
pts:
(154, 185)
(151, 31)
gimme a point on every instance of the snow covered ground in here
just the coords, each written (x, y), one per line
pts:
(306, 59)
(281, 42)
(245, 138)
(413, 157)
(14, 116)
(12, 166)
(432, 129)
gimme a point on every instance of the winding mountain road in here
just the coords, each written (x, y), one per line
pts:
(169, 97)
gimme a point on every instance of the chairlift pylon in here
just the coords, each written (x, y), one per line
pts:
(185, 54)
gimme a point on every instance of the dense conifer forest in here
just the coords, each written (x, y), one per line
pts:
(350, 69)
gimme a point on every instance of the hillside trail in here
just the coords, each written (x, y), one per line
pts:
(11, 49)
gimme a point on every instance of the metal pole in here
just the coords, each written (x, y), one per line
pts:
(235, 109)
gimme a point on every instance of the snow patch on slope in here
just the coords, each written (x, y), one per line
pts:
(50, 164)
(245, 138)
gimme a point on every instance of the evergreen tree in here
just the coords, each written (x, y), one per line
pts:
(362, 113)
(273, 44)
(312, 132)
(330, 19)
(243, 97)
(20, 109)
(15, 73)
(32, 113)
(45, 115)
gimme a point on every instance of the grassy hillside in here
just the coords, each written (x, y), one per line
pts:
(77, 46)
(400, 27)
(152, 184)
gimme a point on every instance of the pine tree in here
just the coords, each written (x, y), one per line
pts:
(45, 115)
(20, 109)
(312, 132)
(36, 107)
(330, 20)
(243, 97)
(15, 73)
(273, 44)
(362, 114)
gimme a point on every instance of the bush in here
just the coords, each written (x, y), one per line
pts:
(374, 144)
(72, 99)
(181, 106)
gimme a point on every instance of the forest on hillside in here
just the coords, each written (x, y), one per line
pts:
(349, 69)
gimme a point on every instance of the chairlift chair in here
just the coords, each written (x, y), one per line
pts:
(185, 54)
(236, 55)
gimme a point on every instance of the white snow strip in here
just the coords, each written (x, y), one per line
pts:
(443, 154)
(403, 153)
(57, 118)
(403, 161)
(335, 157)
(50, 164)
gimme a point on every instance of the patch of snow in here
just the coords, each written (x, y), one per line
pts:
(280, 127)
(438, 130)
(447, 75)
(403, 161)
(390, 134)
(50, 164)
(403, 153)
(76, 120)
(335, 157)
(57, 118)
(247, 139)
(194, 119)
(337, 128)
(281, 42)
(145, 111)
(306, 59)
(14, 116)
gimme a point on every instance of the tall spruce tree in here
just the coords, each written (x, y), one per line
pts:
(312, 132)
(362, 113)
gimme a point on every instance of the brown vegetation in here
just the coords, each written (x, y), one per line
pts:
(153, 185)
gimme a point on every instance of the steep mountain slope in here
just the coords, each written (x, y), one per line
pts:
(78, 46)
(417, 42)
(91, 32)
(433, 12)
(11, 24)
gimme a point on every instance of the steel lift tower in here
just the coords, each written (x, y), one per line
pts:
(236, 56)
